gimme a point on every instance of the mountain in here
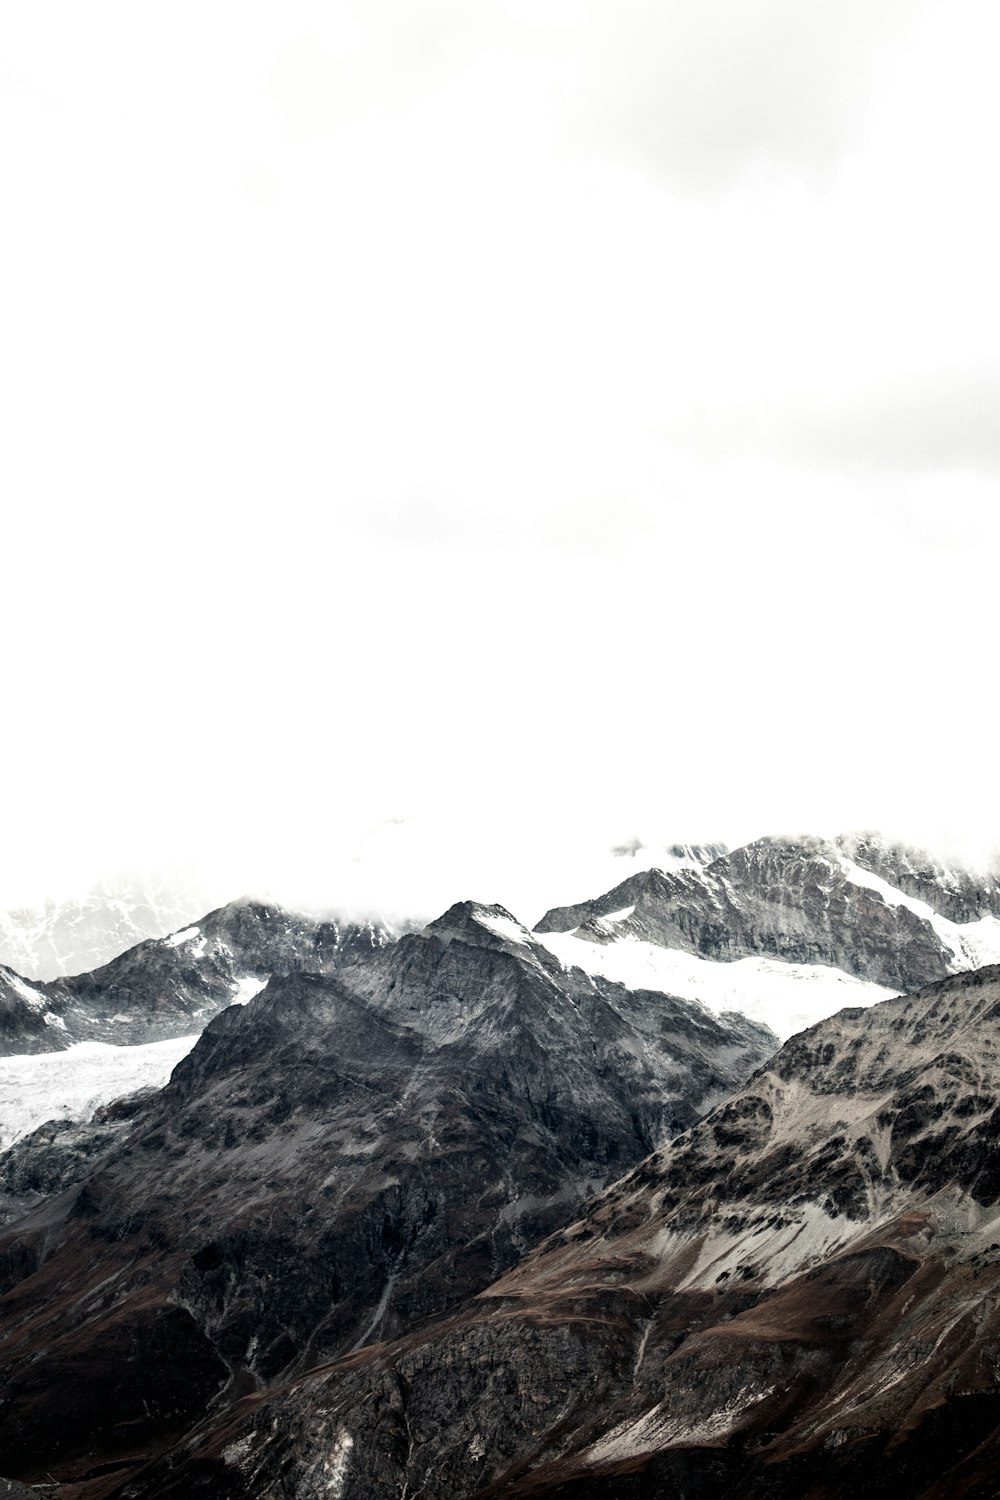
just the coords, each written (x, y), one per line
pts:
(56, 937)
(344, 1158)
(799, 1296)
(801, 925)
(70, 1046)
(167, 987)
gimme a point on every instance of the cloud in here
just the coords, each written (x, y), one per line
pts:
(349, 460)
(913, 422)
(693, 92)
(697, 91)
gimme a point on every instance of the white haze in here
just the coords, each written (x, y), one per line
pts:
(443, 442)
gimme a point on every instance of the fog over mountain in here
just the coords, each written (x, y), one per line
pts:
(620, 462)
(499, 896)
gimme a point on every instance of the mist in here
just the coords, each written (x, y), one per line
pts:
(440, 449)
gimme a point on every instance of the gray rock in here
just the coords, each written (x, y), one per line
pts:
(346, 1157)
(799, 1295)
(792, 899)
(172, 986)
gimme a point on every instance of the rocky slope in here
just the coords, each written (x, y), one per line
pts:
(171, 986)
(951, 891)
(873, 911)
(797, 1297)
(340, 1160)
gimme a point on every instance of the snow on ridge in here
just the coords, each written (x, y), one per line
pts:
(505, 927)
(244, 989)
(972, 944)
(186, 935)
(785, 996)
(26, 991)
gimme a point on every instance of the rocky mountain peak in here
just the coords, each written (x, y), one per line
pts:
(481, 924)
(804, 901)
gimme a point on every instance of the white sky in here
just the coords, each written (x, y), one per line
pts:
(443, 439)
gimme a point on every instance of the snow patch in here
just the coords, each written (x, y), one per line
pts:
(973, 944)
(785, 996)
(504, 927)
(185, 936)
(26, 991)
(244, 989)
(656, 1429)
(335, 1467)
(235, 1454)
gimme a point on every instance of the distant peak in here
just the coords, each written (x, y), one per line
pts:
(480, 923)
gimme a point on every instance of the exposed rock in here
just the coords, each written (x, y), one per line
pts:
(958, 894)
(171, 986)
(799, 1296)
(806, 901)
(342, 1159)
(60, 1153)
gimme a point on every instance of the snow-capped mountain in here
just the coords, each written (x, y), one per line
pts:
(345, 1156)
(315, 1262)
(80, 933)
(787, 930)
(171, 986)
(71, 1045)
(799, 1296)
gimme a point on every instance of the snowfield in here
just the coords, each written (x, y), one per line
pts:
(70, 1085)
(787, 997)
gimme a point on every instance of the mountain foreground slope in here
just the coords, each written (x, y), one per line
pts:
(796, 1297)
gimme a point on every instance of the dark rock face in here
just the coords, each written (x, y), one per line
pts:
(23, 1025)
(958, 894)
(339, 1161)
(797, 900)
(798, 1296)
(168, 987)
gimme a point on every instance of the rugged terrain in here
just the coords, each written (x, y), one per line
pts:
(796, 1297)
(341, 1159)
(78, 933)
(394, 1229)
(798, 926)
(171, 986)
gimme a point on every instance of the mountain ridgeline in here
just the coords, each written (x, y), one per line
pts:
(452, 1214)
(796, 1297)
(343, 1157)
(172, 986)
(874, 910)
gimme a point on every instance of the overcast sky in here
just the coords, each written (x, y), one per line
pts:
(443, 438)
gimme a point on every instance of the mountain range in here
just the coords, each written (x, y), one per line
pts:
(46, 939)
(456, 1212)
